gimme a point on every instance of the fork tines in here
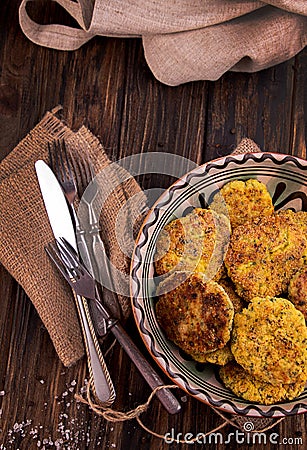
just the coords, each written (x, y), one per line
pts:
(55, 256)
(59, 158)
(64, 251)
(60, 164)
(67, 261)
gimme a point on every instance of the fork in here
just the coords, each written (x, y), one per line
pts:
(61, 166)
(88, 191)
(84, 284)
(102, 386)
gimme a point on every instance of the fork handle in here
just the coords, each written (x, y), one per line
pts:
(103, 388)
(81, 243)
(165, 396)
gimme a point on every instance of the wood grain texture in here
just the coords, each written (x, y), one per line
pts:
(107, 86)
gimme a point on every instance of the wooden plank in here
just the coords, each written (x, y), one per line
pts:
(298, 131)
(258, 106)
(107, 86)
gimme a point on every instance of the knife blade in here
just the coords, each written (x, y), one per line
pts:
(62, 227)
(55, 203)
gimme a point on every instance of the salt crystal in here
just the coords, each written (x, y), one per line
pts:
(58, 443)
(2, 393)
(42, 381)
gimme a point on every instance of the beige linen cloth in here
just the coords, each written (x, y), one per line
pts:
(185, 40)
(25, 229)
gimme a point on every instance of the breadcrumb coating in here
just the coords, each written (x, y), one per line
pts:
(220, 357)
(264, 255)
(195, 243)
(246, 386)
(196, 315)
(228, 286)
(269, 340)
(245, 201)
(298, 291)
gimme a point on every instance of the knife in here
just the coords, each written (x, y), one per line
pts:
(62, 227)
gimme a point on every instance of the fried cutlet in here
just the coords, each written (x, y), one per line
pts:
(269, 340)
(264, 255)
(196, 315)
(223, 355)
(220, 357)
(244, 200)
(297, 217)
(298, 291)
(195, 243)
(244, 385)
(228, 286)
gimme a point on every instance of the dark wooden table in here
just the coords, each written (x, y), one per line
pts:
(107, 86)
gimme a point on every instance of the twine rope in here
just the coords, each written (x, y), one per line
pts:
(118, 416)
(112, 415)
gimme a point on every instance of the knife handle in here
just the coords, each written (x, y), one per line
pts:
(103, 388)
(165, 396)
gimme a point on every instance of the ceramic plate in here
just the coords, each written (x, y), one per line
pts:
(286, 179)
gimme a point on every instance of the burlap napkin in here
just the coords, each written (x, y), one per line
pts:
(185, 40)
(25, 229)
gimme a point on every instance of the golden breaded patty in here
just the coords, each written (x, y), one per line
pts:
(244, 385)
(245, 201)
(228, 286)
(223, 355)
(298, 291)
(263, 256)
(297, 217)
(196, 242)
(269, 340)
(220, 357)
(195, 315)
